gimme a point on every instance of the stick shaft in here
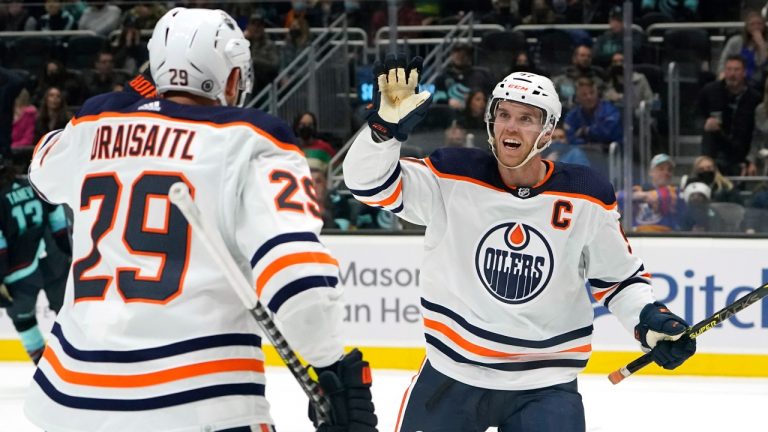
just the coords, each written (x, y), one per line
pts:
(211, 239)
(695, 331)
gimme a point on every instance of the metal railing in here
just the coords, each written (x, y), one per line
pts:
(673, 108)
(439, 43)
(316, 80)
(46, 33)
(723, 26)
(644, 137)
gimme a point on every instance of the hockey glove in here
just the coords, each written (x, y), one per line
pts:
(347, 384)
(660, 331)
(397, 107)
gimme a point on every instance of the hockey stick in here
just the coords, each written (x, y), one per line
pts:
(211, 238)
(693, 332)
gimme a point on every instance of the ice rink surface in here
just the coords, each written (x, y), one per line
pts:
(639, 404)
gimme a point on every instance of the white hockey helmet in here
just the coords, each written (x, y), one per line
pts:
(530, 89)
(194, 50)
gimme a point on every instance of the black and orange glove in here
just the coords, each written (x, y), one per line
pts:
(398, 106)
(347, 384)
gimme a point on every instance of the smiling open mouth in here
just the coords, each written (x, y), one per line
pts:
(511, 144)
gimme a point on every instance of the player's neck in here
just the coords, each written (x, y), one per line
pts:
(527, 175)
(188, 99)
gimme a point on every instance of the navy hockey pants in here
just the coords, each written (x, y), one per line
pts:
(437, 403)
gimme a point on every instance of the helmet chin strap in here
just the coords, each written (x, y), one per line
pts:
(533, 152)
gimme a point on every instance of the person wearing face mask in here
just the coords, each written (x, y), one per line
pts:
(698, 215)
(305, 128)
(614, 90)
(705, 170)
(296, 40)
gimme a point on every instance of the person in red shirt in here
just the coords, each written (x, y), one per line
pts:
(305, 128)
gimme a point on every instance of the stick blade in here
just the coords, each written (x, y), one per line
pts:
(616, 377)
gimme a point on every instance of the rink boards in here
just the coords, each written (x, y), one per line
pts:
(694, 276)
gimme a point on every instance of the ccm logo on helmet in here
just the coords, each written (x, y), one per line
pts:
(517, 87)
(514, 262)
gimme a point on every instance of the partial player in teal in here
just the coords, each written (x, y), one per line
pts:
(24, 221)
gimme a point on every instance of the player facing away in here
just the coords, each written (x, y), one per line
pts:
(510, 239)
(150, 336)
(26, 222)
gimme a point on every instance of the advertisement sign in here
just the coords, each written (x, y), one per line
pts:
(694, 277)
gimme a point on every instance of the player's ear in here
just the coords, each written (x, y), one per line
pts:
(548, 130)
(231, 90)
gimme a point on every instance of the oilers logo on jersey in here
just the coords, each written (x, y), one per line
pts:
(514, 262)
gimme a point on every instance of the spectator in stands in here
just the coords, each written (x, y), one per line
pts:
(453, 85)
(656, 207)
(312, 14)
(145, 14)
(758, 158)
(614, 88)
(407, 15)
(56, 75)
(729, 108)
(456, 136)
(131, 51)
(581, 67)
(305, 128)
(560, 150)
(697, 215)
(100, 18)
(24, 118)
(332, 207)
(15, 17)
(503, 12)
(263, 52)
(612, 41)
(76, 8)
(705, 170)
(756, 216)
(296, 40)
(541, 13)
(53, 113)
(55, 18)
(592, 120)
(524, 63)
(103, 77)
(751, 45)
(11, 85)
(473, 117)
(676, 10)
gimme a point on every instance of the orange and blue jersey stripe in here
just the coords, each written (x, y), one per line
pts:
(288, 259)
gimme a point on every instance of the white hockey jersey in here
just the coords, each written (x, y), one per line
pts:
(151, 337)
(503, 275)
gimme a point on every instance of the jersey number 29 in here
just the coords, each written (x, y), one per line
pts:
(170, 242)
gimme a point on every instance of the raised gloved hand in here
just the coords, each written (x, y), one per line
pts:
(347, 384)
(660, 331)
(397, 107)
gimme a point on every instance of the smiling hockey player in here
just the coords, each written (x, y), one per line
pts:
(510, 240)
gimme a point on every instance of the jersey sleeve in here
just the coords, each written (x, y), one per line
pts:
(377, 177)
(51, 162)
(296, 276)
(618, 278)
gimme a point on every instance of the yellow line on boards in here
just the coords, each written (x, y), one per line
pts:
(601, 362)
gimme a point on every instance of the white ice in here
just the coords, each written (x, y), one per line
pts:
(639, 404)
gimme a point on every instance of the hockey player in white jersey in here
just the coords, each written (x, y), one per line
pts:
(510, 240)
(151, 337)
